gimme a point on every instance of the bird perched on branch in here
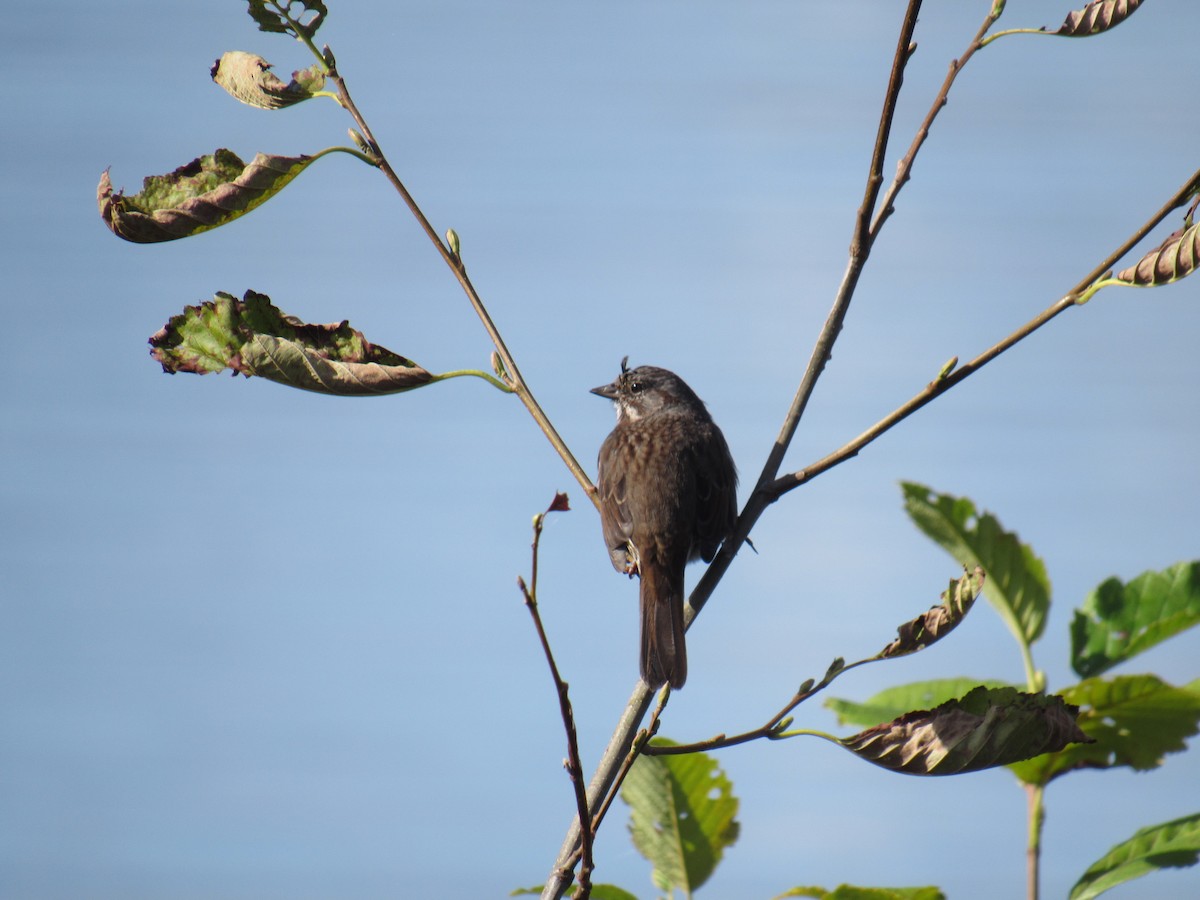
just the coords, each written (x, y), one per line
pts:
(668, 495)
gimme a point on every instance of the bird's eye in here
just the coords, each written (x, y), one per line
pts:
(635, 387)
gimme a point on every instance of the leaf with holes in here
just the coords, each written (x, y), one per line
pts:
(248, 77)
(682, 816)
(988, 727)
(252, 337)
(1119, 620)
(276, 17)
(206, 193)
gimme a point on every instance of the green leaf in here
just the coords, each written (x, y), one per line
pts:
(1170, 845)
(248, 77)
(937, 622)
(1017, 584)
(682, 816)
(1097, 16)
(599, 892)
(1172, 260)
(252, 337)
(208, 192)
(1133, 720)
(610, 892)
(850, 892)
(988, 727)
(1119, 621)
(276, 16)
(896, 701)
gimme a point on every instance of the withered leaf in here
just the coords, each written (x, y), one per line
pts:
(252, 337)
(986, 728)
(248, 77)
(1172, 260)
(201, 195)
(938, 621)
(1097, 16)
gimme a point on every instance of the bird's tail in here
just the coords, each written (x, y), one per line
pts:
(664, 656)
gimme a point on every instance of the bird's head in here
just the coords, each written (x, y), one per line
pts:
(647, 390)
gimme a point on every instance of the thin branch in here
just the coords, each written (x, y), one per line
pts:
(774, 727)
(574, 763)
(617, 757)
(860, 248)
(454, 261)
(904, 168)
(639, 743)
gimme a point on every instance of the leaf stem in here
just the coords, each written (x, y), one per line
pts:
(490, 379)
(353, 152)
(808, 732)
(1007, 32)
(1035, 796)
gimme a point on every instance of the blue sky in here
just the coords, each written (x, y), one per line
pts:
(262, 643)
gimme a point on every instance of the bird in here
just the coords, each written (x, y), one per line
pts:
(667, 490)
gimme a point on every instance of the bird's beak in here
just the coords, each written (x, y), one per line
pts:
(608, 391)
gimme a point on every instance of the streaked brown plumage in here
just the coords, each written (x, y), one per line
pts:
(668, 495)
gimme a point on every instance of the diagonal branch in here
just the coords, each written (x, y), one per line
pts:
(1074, 297)
(860, 249)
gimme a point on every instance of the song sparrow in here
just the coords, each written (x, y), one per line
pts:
(668, 495)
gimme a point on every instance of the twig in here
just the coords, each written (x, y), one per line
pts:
(454, 261)
(860, 249)
(904, 168)
(574, 764)
(774, 727)
(639, 744)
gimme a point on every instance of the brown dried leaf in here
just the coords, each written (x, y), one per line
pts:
(1172, 260)
(201, 195)
(293, 364)
(986, 728)
(248, 77)
(938, 621)
(1097, 16)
